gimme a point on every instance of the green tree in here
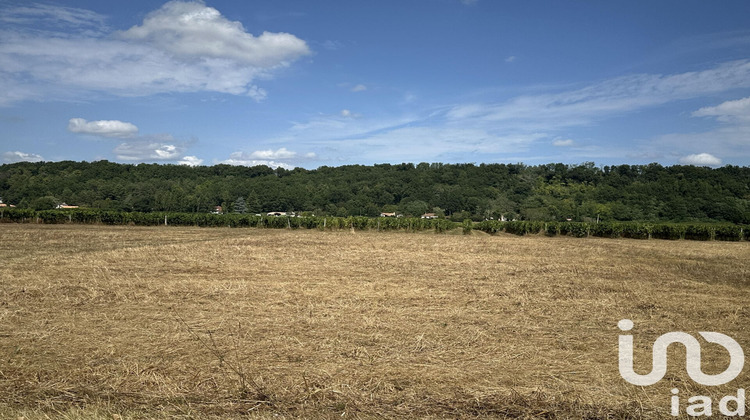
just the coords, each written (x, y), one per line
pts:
(239, 205)
(44, 203)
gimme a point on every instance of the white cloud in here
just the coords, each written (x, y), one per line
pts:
(611, 97)
(348, 114)
(359, 88)
(256, 93)
(701, 159)
(563, 142)
(403, 143)
(729, 111)
(50, 15)
(161, 148)
(731, 137)
(469, 2)
(190, 161)
(281, 153)
(484, 131)
(13, 157)
(104, 128)
(280, 158)
(510, 59)
(244, 159)
(192, 30)
(181, 47)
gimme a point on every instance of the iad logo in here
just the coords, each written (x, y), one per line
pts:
(693, 362)
(703, 405)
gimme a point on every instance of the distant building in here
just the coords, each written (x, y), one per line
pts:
(65, 206)
(387, 214)
(429, 216)
(276, 213)
(217, 210)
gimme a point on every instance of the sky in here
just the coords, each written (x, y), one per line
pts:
(300, 83)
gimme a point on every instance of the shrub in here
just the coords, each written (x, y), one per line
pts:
(516, 227)
(579, 229)
(728, 233)
(490, 226)
(699, 232)
(18, 215)
(52, 216)
(467, 226)
(113, 218)
(606, 230)
(636, 230)
(668, 231)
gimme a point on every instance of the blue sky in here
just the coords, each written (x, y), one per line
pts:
(311, 83)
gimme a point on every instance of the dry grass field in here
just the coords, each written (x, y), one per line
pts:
(129, 323)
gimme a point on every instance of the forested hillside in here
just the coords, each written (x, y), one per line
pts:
(544, 192)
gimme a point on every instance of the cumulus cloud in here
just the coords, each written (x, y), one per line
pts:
(245, 159)
(280, 158)
(281, 153)
(13, 157)
(136, 148)
(103, 128)
(181, 47)
(359, 88)
(190, 161)
(193, 30)
(701, 159)
(161, 148)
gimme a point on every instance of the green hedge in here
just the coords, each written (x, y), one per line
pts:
(223, 220)
(668, 231)
(634, 230)
(699, 232)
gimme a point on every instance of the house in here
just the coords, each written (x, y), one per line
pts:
(429, 216)
(65, 206)
(276, 213)
(387, 214)
(217, 210)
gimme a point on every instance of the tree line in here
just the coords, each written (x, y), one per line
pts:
(549, 192)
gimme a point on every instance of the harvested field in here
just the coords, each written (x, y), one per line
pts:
(122, 322)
